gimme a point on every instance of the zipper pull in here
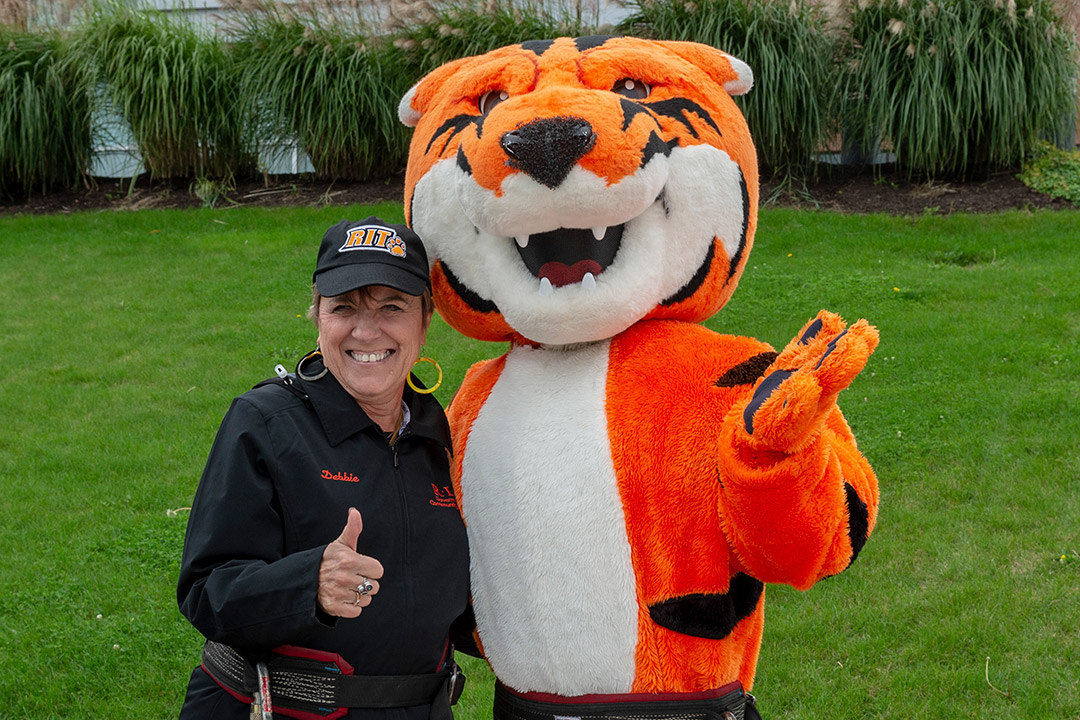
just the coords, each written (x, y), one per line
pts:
(394, 448)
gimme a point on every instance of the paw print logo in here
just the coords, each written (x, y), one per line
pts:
(396, 246)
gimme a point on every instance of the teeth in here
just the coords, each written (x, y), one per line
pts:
(522, 240)
(588, 282)
(545, 287)
(599, 231)
(369, 357)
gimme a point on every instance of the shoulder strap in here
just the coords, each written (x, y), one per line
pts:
(288, 381)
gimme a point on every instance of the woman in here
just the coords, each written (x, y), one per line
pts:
(325, 559)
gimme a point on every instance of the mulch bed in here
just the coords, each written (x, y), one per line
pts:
(849, 190)
(864, 190)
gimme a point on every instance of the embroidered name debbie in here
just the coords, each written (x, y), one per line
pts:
(341, 476)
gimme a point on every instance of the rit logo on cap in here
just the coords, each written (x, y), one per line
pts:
(373, 237)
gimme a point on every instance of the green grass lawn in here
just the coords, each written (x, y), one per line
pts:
(124, 337)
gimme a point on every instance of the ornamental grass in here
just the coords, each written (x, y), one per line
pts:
(44, 113)
(176, 86)
(432, 35)
(956, 86)
(788, 47)
(325, 80)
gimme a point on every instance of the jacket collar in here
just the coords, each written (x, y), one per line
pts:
(341, 416)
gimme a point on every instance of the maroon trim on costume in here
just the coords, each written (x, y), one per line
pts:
(625, 697)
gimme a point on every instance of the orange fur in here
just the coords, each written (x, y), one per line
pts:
(733, 464)
(660, 408)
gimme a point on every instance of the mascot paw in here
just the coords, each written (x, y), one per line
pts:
(797, 393)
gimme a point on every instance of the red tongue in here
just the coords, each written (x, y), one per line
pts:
(559, 274)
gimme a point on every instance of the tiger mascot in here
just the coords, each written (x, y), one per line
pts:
(629, 479)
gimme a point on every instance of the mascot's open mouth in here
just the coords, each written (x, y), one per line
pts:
(567, 255)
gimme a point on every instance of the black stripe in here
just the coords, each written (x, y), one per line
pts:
(711, 616)
(678, 109)
(457, 123)
(654, 147)
(829, 348)
(537, 46)
(591, 41)
(463, 161)
(695, 282)
(471, 299)
(811, 332)
(858, 521)
(631, 110)
(748, 371)
(745, 225)
(764, 390)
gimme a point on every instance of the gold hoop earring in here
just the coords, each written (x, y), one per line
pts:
(316, 353)
(431, 389)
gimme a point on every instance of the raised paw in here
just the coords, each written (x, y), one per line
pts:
(798, 391)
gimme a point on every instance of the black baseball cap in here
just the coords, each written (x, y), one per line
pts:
(354, 254)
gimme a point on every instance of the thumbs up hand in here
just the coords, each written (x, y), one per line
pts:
(347, 579)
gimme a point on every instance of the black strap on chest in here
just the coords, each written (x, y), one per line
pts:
(304, 683)
(289, 383)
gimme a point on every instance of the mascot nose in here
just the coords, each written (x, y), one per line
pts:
(547, 149)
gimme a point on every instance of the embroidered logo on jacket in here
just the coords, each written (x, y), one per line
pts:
(374, 237)
(444, 496)
(342, 476)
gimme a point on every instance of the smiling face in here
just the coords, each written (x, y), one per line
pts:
(370, 339)
(567, 189)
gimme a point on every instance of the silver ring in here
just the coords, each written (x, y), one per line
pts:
(363, 588)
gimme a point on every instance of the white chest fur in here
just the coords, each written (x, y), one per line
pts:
(553, 583)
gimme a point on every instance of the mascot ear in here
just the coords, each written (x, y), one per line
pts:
(418, 99)
(735, 75)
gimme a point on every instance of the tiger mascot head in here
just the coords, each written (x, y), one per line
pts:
(568, 188)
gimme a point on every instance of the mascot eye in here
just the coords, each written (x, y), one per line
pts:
(633, 89)
(489, 100)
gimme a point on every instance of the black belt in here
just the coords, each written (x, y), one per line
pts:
(305, 682)
(726, 703)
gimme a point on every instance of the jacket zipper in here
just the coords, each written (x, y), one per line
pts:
(406, 525)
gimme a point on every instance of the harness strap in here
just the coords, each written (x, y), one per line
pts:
(315, 685)
(728, 702)
(287, 381)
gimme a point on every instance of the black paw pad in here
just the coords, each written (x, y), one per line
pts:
(829, 348)
(764, 390)
(811, 332)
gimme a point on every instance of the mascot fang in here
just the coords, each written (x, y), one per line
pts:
(630, 480)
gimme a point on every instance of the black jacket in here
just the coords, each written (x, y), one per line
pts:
(277, 486)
